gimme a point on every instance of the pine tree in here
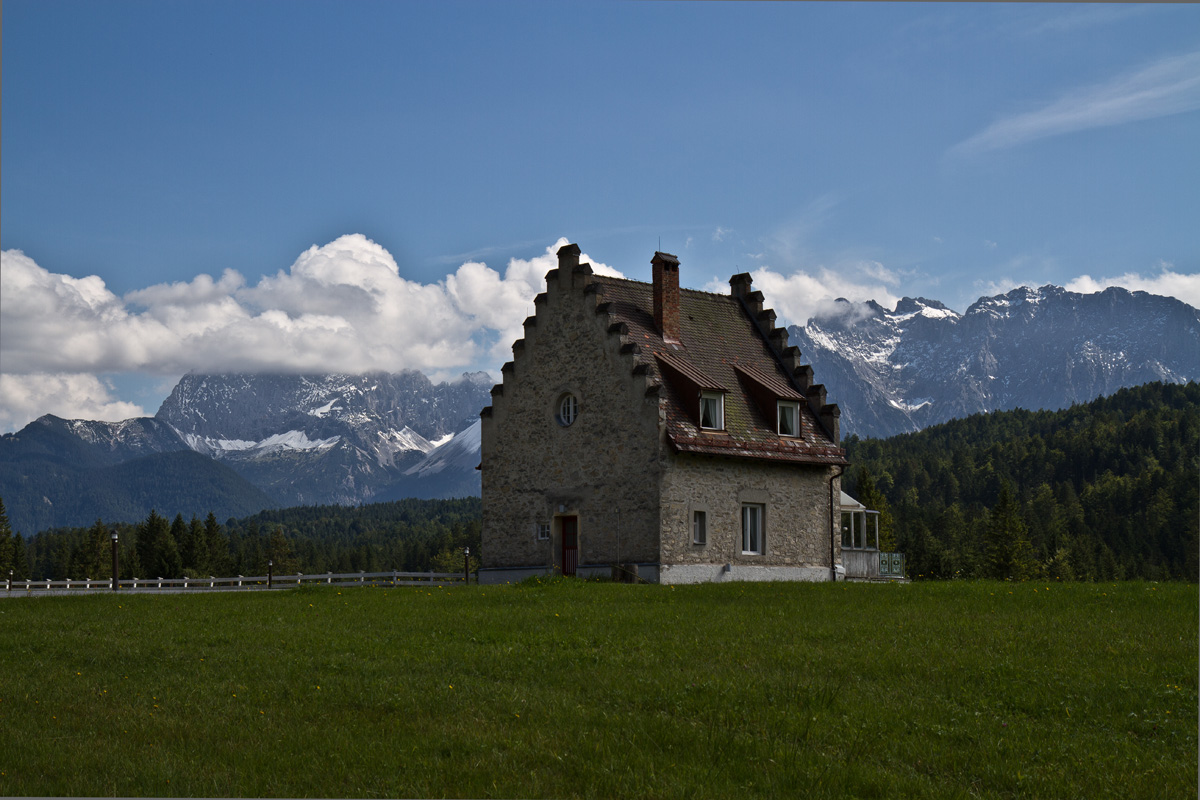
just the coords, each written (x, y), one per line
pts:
(873, 499)
(20, 558)
(6, 542)
(1009, 555)
(181, 533)
(216, 545)
(95, 552)
(195, 551)
(279, 550)
(157, 550)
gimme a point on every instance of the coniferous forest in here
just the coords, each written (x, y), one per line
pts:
(1106, 490)
(406, 535)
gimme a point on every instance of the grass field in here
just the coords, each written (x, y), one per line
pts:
(567, 688)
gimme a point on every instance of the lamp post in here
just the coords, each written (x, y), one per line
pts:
(115, 581)
(466, 565)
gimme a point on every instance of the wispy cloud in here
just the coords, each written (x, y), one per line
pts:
(1082, 17)
(789, 243)
(1168, 86)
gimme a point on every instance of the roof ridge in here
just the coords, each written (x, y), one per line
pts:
(611, 278)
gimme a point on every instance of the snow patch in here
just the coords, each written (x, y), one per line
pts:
(909, 407)
(324, 410)
(406, 439)
(295, 440)
(292, 440)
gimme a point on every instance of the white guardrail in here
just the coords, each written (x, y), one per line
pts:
(392, 578)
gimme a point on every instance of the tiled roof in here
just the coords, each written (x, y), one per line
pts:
(782, 388)
(684, 367)
(717, 338)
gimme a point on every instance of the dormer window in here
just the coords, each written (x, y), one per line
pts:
(774, 396)
(788, 417)
(712, 411)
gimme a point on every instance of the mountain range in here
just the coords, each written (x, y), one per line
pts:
(255, 441)
(899, 371)
(237, 444)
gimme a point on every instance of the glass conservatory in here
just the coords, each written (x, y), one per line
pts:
(861, 557)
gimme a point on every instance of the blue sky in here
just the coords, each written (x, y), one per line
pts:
(309, 186)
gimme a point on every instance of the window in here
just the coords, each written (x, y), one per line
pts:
(752, 529)
(789, 418)
(543, 531)
(568, 409)
(712, 411)
(699, 527)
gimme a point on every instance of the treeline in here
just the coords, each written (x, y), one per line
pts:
(407, 535)
(1106, 490)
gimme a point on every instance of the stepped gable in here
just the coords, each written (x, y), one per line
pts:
(722, 342)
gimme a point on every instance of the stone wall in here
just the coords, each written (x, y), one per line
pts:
(798, 527)
(602, 468)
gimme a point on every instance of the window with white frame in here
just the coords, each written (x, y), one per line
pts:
(568, 409)
(699, 527)
(752, 529)
(543, 531)
(788, 413)
(712, 411)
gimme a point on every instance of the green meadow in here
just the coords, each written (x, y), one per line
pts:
(583, 689)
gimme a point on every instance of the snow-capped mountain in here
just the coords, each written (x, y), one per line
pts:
(321, 438)
(923, 363)
(459, 453)
(301, 439)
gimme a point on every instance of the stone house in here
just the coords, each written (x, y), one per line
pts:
(669, 433)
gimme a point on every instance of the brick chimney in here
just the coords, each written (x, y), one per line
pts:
(666, 295)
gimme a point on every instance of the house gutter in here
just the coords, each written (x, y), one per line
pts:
(832, 525)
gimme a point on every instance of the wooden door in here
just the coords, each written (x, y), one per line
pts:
(570, 545)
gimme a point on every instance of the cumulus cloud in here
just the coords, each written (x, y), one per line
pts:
(1168, 283)
(801, 295)
(1168, 86)
(71, 396)
(340, 307)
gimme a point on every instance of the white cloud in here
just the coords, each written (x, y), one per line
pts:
(801, 295)
(24, 398)
(341, 307)
(720, 233)
(1168, 283)
(1168, 86)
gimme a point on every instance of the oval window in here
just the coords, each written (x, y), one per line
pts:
(568, 409)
